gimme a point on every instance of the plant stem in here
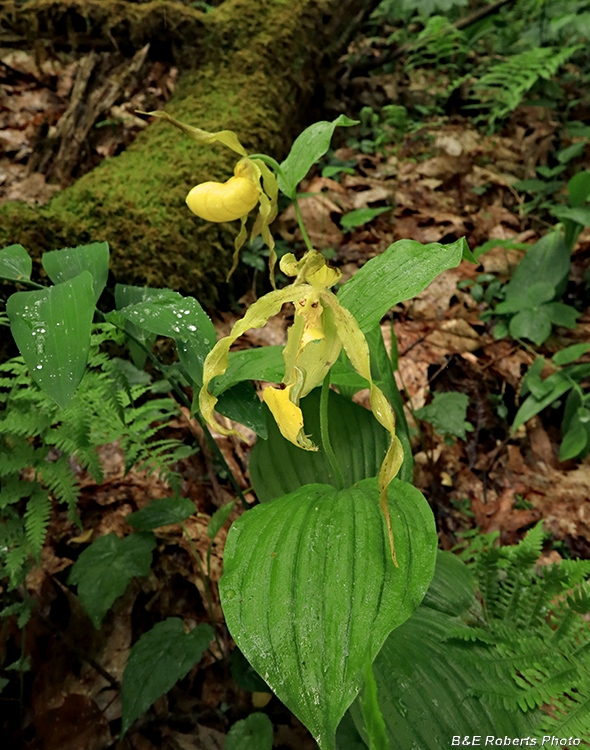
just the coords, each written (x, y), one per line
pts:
(277, 168)
(207, 583)
(325, 433)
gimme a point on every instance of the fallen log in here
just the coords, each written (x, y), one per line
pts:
(257, 68)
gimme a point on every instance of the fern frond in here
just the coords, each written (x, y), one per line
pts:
(37, 520)
(502, 88)
(59, 478)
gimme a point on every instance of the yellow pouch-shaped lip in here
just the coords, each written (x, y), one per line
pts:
(223, 201)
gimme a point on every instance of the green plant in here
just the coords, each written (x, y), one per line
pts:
(379, 129)
(567, 378)
(447, 414)
(43, 442)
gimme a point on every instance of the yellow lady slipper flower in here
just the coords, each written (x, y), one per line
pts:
(320, 329)
(253, 183)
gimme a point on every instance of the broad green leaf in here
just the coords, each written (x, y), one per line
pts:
(159, 659)
(399, 273)
(105, 568)
(532, 405)
(447, 414)
(538, 293)
(162, 511)
(533, 324)
(265, 363)
(361, 216)
(347, 735)
(252, 733)
(245, 675)
(168, 313)
(307, 148)
(15, 263)
(51, 328)
(373, 722)
(310, 591)
(573, 442)
(561, 314)
(570, 354)
(548, 260)
(578, 215)
(66, 264)
(427, 684)
(130, 295)
(358, 440)
(241, 404)
(578, 189)
(571, 152)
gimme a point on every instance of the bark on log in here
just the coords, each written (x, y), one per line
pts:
(261, 64)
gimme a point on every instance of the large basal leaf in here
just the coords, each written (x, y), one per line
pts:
(126, 295)
(307, 148)
(358, 440)
(15, 263)
(310, 591)
(103, 571)
(66, 264)
(161, 657)
(399, 273)
(242, 404)
(51, 328)
(265, 363)
(426, 684)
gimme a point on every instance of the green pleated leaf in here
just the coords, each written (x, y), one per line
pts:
(310, 591)
(358, 440)
(162, 512)
(426, 684)
(51, 328)
(399, 273)
(265, 363)
(161, 657)
(15, 263)
(307, 148)
(253, 733)
(66, 264)
(130, 295)
(105, 568)
(167, 313)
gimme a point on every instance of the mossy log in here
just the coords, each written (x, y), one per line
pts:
(256, 68)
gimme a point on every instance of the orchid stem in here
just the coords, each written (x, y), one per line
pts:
(325, 433)
(277, 168)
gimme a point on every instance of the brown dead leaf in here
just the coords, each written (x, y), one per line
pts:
(456, 336)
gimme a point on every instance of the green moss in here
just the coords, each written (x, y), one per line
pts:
(135, 201)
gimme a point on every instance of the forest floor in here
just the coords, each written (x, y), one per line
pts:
(441, 181)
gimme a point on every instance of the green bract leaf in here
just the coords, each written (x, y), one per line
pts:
(308, 147)
(310, 591)
(15, 263)
(447, 414)
(66, 264)
(253, 733)
(358, 440)
(426, 684)
(168, 313)
(51, 328)
(399, 273)
(361, 216)
(103, 571)
(161, 657)
(202, 137)
(162, 512)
